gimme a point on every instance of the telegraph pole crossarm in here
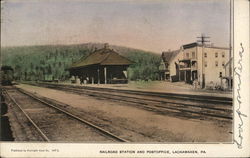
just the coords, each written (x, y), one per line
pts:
(203, 39)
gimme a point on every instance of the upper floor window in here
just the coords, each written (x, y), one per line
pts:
(223, 54)
(205, 55)
(216, 55)
(205, 64)
(187, 55)
(216, 63)
(193, 54)
(223, 63)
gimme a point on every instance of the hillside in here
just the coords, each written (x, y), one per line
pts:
(49, 62)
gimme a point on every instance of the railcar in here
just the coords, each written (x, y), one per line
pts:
(7, 75)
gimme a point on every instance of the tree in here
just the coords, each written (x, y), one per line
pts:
(49, 70)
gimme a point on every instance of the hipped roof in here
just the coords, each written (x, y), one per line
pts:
(102, 56)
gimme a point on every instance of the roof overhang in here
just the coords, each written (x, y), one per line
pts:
(227, 77)
(191, 45)
(185, 60)
(86, 66)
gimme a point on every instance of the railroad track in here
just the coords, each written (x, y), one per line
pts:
(185, 97)
(48, 119)
(163, 105)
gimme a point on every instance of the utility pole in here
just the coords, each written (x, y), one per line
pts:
(203, 40)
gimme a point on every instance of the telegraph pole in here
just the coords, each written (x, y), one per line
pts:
(203, 40)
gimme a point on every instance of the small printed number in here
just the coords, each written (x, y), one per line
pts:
(55, 150)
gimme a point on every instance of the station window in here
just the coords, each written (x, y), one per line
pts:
(187, 55)
(205, 55)
(223, 54)
(193, 54)
(216, 63)
(216, 55)
(223, 63)
(205, 64)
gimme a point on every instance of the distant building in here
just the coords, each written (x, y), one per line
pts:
(167, 59)
(208, 65)
(102, 66)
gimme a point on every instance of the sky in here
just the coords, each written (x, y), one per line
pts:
(153, 25)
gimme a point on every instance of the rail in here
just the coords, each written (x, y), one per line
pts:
(101, 130)
(27, 116)
(156, 105)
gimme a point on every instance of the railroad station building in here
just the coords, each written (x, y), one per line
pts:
(206, 64)
(103, 66)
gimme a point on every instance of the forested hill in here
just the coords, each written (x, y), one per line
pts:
(49, 62)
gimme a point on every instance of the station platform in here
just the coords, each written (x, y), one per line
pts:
(162, 87)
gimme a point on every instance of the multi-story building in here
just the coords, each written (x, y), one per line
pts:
(206, 64)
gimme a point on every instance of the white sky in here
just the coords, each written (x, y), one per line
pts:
(156, 25)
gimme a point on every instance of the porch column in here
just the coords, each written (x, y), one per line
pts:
(98, 75)
(105, 75)
(185, 77)
(179, 75)
(191, 75)
(127, 74)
